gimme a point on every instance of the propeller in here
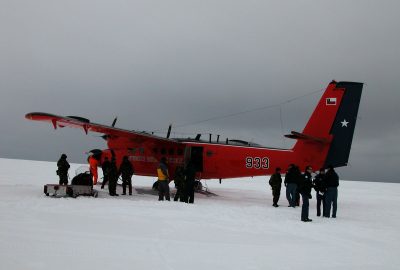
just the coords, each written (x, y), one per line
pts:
(105, 136)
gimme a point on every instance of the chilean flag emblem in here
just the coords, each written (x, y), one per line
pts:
(331, 101)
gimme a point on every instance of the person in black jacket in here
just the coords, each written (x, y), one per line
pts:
(190, 175)
(179, 179)
(106, 170)
(62, 171)
(305, 190)
(332, 183)
(320, 188)
(126, 171)
(291, 185)
(113, 178)
(276, 182)
(298, 177)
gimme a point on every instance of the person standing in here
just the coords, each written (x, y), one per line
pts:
(320, 189)
(126, 171)
(62, 169)
(298, 177)
(113, 178)
(179, 180)
(291, 185)
(163, 180)
(276, 182)
(106, 170)
(190, 177)
(305, 190)
(331, 195)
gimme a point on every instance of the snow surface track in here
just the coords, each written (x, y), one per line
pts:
(236, 229)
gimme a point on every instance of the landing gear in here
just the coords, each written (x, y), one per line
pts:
(198, 186)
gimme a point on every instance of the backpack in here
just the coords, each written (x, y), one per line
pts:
(82, 179)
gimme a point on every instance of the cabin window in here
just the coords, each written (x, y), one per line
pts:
(171, 152)
(163, 151)
(180, 152)
(155, 150)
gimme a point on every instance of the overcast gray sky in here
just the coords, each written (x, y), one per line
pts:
(152, 63)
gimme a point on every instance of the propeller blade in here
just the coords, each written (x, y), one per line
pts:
(114, 122)
(169, 131)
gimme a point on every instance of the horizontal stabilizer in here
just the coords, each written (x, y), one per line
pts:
(302, 136)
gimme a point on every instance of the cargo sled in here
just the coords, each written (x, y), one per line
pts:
(81, 185)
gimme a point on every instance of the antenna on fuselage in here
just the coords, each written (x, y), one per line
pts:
(169, 131)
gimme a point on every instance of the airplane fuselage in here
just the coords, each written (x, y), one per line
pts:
(212, 160)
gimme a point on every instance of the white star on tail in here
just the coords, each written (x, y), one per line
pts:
(344, 123)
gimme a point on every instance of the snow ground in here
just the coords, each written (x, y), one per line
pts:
(236, 229)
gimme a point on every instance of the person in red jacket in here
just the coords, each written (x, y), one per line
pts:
(93, 168)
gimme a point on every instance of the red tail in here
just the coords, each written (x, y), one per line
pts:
(326, 139)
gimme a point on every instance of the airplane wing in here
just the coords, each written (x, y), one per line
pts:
(86, 125)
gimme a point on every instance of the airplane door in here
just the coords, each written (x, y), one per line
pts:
(187, 156)
(195, 154)
(210, 162)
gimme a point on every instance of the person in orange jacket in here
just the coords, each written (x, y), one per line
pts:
(93, 168)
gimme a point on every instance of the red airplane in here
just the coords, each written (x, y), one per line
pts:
(326, 140)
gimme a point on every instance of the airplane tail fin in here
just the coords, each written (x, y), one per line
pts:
(326, 139)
